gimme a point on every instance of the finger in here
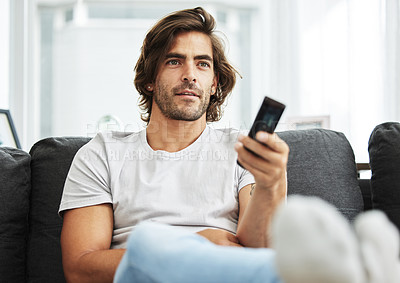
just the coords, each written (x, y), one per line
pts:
(256, 165)
(251, 161)
(259, 149)
(260, 168)
(273, 141)
(264, 176)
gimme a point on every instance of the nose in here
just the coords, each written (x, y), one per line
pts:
(189, 74)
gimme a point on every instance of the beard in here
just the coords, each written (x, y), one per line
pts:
(187, 110)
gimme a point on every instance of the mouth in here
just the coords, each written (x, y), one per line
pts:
(188, 93)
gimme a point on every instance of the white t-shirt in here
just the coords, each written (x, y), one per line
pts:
(195, 188)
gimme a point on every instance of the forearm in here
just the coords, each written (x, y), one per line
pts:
(220, 237)
(96, 266)
(253, 229)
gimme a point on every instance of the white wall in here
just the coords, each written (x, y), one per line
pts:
(326, 57)
(4, 53)
(86, 83)
(330, 57)
(93, 73)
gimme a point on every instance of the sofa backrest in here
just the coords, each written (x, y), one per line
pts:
(321, 163)
(51, 160)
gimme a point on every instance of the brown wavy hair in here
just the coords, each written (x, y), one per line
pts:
(158, 42)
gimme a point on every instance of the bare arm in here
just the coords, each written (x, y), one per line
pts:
(269, 171)
(85, 242)
(220, 237)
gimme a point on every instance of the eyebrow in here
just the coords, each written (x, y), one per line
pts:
(181, 56)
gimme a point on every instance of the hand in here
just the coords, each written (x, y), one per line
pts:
(268, 166)
(220, 237)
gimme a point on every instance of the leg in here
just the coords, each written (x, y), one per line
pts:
(160, 253)
(314, 243)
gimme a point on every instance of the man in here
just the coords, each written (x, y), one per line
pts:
(178, 171)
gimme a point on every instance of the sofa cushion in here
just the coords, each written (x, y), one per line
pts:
(321, 163)
(51, 159)
(14, 207)
(384, 158)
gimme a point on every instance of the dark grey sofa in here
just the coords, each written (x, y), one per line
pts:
(321, 163)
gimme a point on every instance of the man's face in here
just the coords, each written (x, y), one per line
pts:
(185, 79)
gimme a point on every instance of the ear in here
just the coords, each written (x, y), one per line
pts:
(149, 87)
(214, 85)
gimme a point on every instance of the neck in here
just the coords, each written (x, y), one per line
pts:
(173, 135)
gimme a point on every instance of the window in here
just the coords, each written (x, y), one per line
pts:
(88, 51)
(72, 62)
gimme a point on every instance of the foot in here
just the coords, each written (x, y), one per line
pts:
(379, 245)
(314, 243)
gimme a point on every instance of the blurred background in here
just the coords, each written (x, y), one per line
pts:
(66, 66)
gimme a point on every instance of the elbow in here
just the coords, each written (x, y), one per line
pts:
(260, 242)
(253, 238)
(71, 275)
(73, 272)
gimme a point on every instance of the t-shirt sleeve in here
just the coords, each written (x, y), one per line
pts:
(244, 177)
(87, 181)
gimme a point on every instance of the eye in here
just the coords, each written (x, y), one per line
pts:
(173, 62)
(204, 64)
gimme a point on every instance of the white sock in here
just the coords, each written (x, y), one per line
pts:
(314, 243)
(379, 245)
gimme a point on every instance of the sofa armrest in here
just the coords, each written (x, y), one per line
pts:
(384, 158)
(51, 160)
(15, 188)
